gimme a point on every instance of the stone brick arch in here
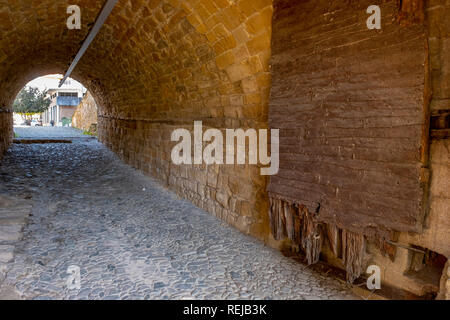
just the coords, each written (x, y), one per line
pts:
(159, 65)
(156, 66)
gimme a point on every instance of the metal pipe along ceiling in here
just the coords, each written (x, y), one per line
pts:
(104, 14)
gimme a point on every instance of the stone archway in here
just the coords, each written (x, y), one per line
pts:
(159, 65)
(156, 66)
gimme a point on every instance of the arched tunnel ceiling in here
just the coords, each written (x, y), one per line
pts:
(149, 58)
(156, 66)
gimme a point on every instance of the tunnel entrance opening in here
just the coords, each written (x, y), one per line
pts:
(41, 102)
(42, 107)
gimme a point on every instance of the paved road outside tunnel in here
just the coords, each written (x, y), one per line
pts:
(24, 132)
(131, 238)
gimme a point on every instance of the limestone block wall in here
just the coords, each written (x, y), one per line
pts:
(156, 66)
(86, 113)
(445, 284)
(209, 62)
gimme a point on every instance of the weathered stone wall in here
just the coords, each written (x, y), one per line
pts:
(6, 132)
(444, 293)
(354, 131)
(436, 233)
(156, 66)
(86, 113)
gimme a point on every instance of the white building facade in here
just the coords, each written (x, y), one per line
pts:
(64, 102)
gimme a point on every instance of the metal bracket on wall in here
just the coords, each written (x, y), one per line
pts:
(440, 124)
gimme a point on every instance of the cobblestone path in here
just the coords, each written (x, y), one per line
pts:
(131, 238)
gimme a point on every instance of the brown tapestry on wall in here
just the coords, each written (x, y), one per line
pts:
(350, 104)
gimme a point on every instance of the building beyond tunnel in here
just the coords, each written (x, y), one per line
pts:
(64, 102)
(363, 114)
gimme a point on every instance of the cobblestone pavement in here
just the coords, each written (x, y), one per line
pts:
(131, 238)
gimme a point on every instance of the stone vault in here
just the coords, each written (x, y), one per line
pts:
(157, 66)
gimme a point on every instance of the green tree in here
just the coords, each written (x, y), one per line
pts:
(31, 101)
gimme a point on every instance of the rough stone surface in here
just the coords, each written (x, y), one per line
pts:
(86, 114)
(349, 103)
(6, 133)
(436, 235)
(13, 214)
(156, 66)
(444, 293)
(10, 233)
(160, 65)
(6, 253)
(132, 239)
